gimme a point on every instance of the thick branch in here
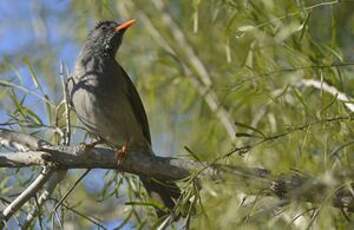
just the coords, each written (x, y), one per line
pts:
(293, 186)
(20, 141)
(67, 157)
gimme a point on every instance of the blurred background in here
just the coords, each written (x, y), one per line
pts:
(213, 75)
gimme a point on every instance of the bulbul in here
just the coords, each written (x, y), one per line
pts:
(108, 104)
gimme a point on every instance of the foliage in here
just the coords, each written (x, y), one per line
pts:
(247, 58)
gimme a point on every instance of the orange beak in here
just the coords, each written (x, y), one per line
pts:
(125, 25)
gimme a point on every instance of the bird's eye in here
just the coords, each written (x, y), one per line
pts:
(104, 28)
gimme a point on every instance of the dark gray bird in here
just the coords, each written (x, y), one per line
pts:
(108, 104)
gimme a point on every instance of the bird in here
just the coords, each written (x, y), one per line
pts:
(109, 106)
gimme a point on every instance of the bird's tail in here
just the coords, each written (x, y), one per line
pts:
(162, 191)
(166, 193)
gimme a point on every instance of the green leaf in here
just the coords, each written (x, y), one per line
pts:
(298, 95)
(33, 74)
(24, 111)
(251, 128)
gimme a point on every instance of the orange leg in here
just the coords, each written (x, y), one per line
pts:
(122, 153)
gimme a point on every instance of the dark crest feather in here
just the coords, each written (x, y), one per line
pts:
(100, 23)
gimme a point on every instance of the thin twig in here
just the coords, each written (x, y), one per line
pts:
(66, 104)
(70, 190)
(12, 85)
(91, 219)
(39, 209)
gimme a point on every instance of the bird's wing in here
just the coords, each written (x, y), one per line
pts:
(137, 106)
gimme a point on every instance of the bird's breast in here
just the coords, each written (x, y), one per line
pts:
(103, 107)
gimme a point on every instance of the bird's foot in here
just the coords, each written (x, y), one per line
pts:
(88, 147)
(121, 154)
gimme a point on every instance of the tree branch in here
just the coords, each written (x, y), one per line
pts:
(25, 142)
(290, 187)
(321, 85)
(20, 141)
(26, 195)
(67, 157)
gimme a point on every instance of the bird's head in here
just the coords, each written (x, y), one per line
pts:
(107, 36)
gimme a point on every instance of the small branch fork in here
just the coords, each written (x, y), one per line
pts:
(28, 193)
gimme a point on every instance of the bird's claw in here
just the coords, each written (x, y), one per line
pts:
(88, 147)
(121, 154)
